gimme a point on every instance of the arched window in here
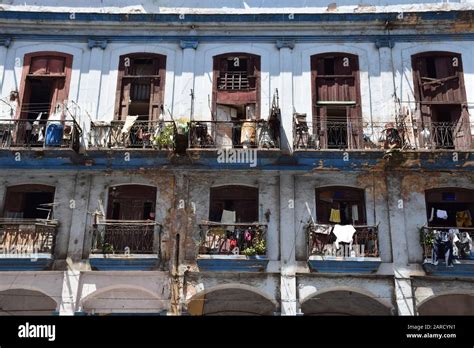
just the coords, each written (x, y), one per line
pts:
(45, 84)
(29, 202)
(439, 90)
(444, 204)
(236, 86)
(131, 202)
(242, 200)
(342, 205)
(140, 86)
(336, 100)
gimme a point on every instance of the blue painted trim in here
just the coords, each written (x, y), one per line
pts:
(229, 264)
(124, 264)
(464, 269)
(381, 17)
(207, 160)
(25, 264)
(345, 266)
(467, 36)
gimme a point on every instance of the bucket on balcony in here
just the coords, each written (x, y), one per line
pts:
(54, 134)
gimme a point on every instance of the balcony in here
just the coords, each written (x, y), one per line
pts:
(136, 134)
(255, 134)
(126, 245)
(27, 244)
(327, 255)
(238, 247)
(448, 251)
(22, 133)
(378, 135)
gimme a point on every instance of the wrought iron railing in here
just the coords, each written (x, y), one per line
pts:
(233, 134)
(378, 135)
(43, 133)
(137, 134)
(235, 81)
(125, 237)
(460, 239)
(232, 239)
(321, 241)
(27, 236)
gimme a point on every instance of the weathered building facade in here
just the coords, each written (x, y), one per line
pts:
(245, 158)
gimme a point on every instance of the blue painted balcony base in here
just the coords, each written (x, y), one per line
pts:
(39, 262)
(100, 262)
(460, 268)
(337, 264)
(232, 263)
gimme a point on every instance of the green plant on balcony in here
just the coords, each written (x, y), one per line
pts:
(427, 238)
(258, 248)
(164, 138)
(108, 248)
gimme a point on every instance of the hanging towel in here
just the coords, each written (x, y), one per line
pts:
(355, 212)
(129, 121)
(335, 216)
(432, 214)
(463, 219)
(321, 229)
(442, 214)
(228, 217)
(343, 233)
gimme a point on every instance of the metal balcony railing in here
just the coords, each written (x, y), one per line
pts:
(23, 133)
(125, 237)
(232, 239)
(27, 236)
(136, 134)
(451, 237)
(257, 134)
(378, 135)
(365, 242)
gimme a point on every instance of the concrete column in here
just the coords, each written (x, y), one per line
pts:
(79, 220)
(94, 75)
(404, 295)
(287, 245)
(4, 44)
(90, 92)
(70, 291)
(185, 82)
(398, 226)
(387, 87)
(286, 93)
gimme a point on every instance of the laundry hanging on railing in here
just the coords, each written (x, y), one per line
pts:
(343, 233)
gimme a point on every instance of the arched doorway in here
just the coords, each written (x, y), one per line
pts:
(231, 301)
(26, 302)
(449, 304)
(343, 302)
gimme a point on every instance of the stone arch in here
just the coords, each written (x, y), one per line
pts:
(122, 299)
(344, 301)
(448, 303)
(24, 301)
(231, 299)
